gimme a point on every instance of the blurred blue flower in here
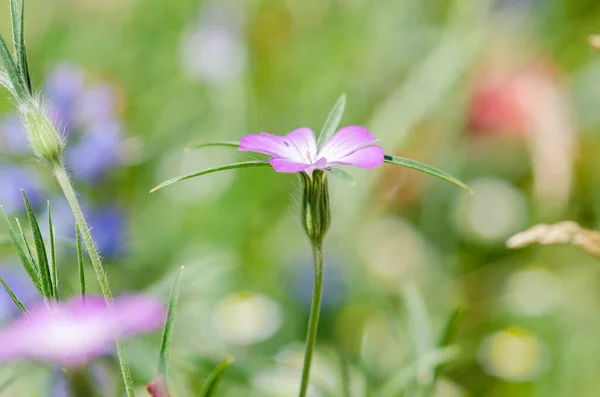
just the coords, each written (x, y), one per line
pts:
(97, 103)
(20, 283)
(13, 135)
(334, 282)
(63, 87)
(108, 224)
(12, 180)
(96, 152)
(109, 229)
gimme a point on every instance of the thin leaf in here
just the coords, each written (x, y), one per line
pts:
(450, 328)
(426, 169)
(215, 377)
(340, 173)
(244, 164)
(167, 337)
(5, 81)
(421, 331)
(80, 263)
(333, 121)
(25, 261)
(26, 242)
(40, 249)
(12, 295)
(219, 143)
(405, 377)
(17, 16)
(9, 382)
(52, 264)
(8, 65)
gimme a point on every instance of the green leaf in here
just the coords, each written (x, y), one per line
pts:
(450, 328)
(215, 377)
(8, 65)
(40, 248)
(402, 379)
(340, 173)
(167, 337)
(333, 121)
(80, 262)
(219, 143)
(52, 264)
(25, 261)
(422, 332)
(426, 169)
(244, 164)
(29, 253)
(5, 81)
(17, 17)
(12, 295)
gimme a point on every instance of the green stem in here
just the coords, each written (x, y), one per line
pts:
(67, 187)
(315, 310)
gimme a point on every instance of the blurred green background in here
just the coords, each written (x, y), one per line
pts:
(503, 94)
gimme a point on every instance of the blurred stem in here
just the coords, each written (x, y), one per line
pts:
(64, 181)
(81, 383)
(315, 310)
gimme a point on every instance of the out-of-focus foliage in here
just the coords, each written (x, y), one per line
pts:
(503, 94)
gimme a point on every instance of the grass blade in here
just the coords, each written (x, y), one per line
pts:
(8, 65)
(243, 164)
(219, 143)
(422, 332)
(426, 169)
(25, 261)
(53, 271)
(80, 262)
(167, 336)
(17, 17)
(29, 253)
(333, 121)
(5, 81)
(215, 377)
(398, 384)
(449, 331)
(12, 295)
(40, 249)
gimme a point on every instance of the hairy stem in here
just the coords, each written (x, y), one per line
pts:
(315, 310)
(67, 187)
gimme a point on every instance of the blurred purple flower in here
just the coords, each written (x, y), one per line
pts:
(96, 152)
(13, 134)
(74, 332)
(63, 87)
(20, 283)
(108, 224)
(109, 229)
(12, 180)
(97, 104)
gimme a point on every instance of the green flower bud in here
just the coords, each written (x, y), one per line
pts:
(316, 212)
(45, 140)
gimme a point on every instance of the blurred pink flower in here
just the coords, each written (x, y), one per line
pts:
(297, 151)
(158, 387)
(74, 332)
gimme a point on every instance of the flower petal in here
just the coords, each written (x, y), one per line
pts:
(346, 141)
(366, 157)
(281, 164)
(303, 140)
(263, 143)
(298, 146)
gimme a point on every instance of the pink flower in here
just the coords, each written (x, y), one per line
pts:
(298, 152)
(158, 387)
(74, 332)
